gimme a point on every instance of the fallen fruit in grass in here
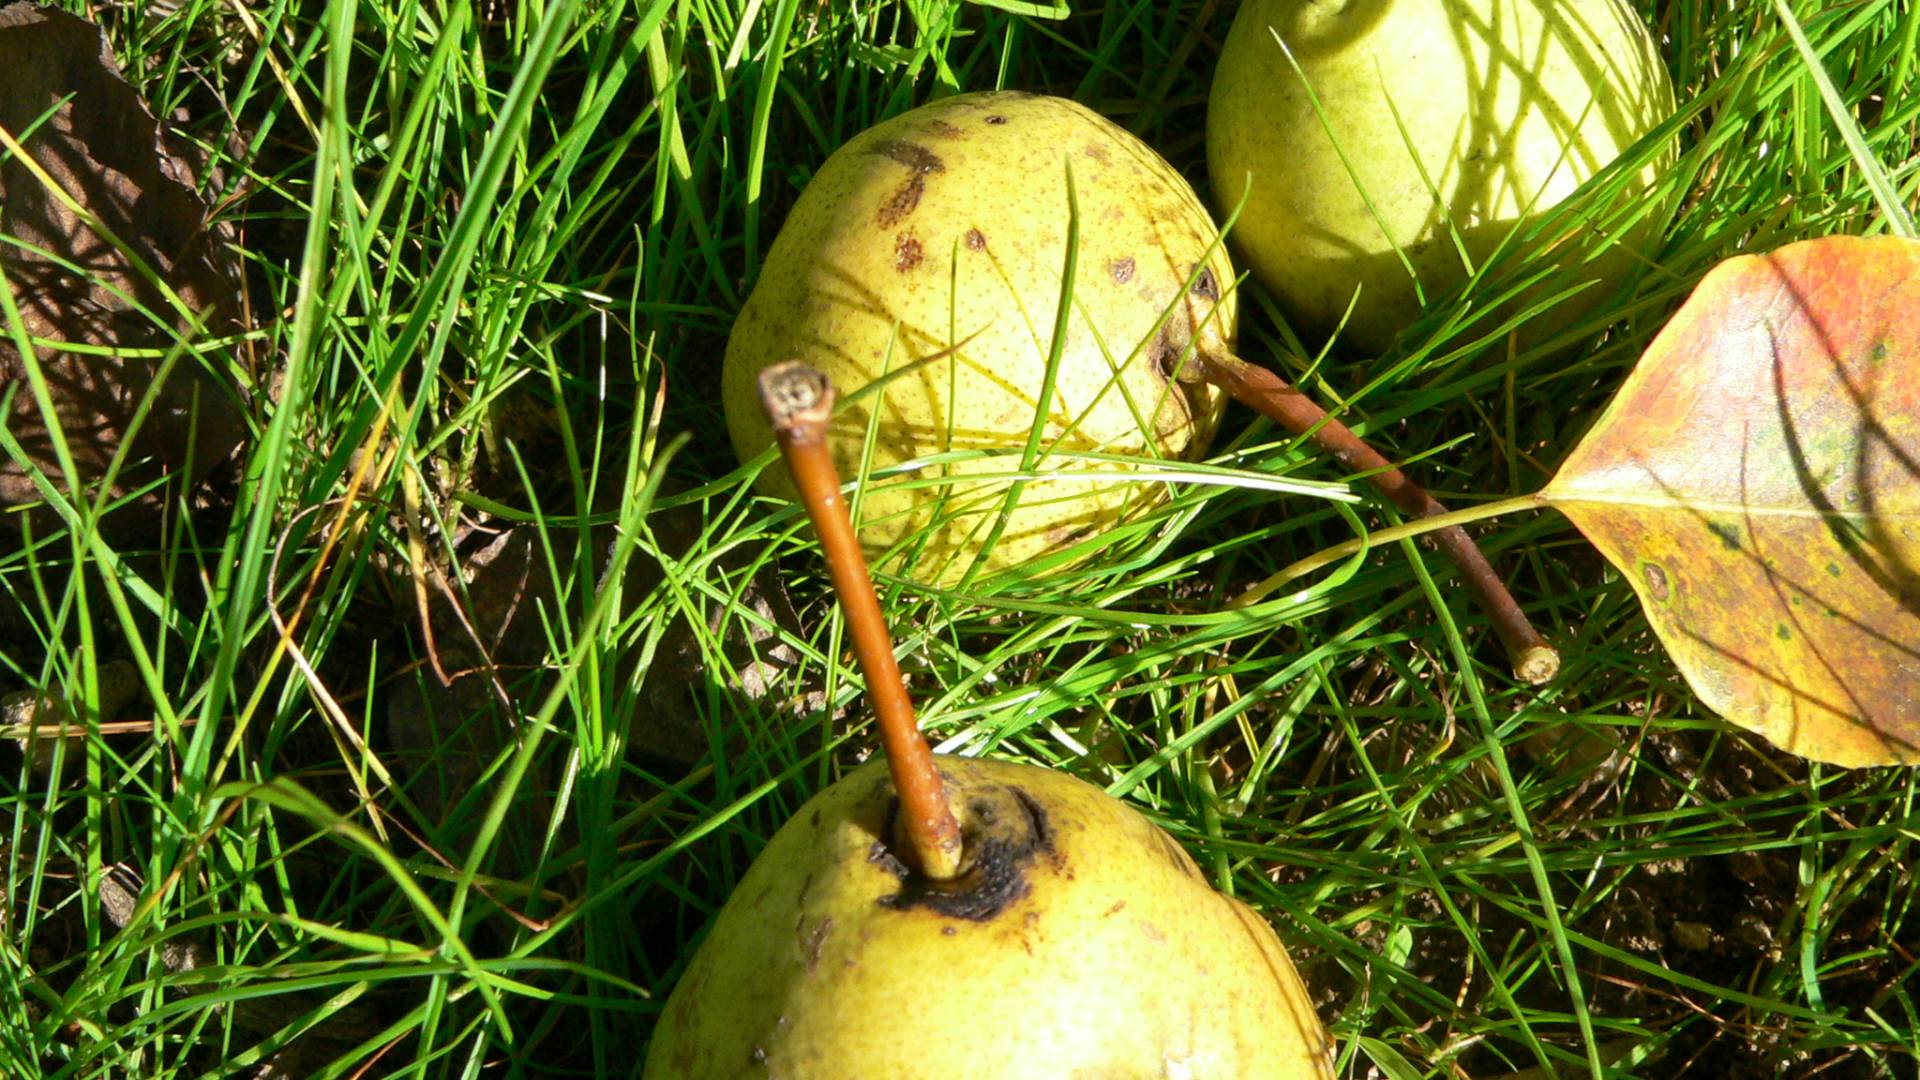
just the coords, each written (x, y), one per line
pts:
(921, 270)
(930, 248)
(1079, 940)
(1045, 929)
(1419, 128)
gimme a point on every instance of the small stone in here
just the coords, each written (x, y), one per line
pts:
(42, 720)
(1692, 936)
(1752, 931)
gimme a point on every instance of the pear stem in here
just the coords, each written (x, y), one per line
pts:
(799, 401)
(1534, 661)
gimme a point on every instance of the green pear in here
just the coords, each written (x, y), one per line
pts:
(1079, 941)
(923, 263)
(1406, 122)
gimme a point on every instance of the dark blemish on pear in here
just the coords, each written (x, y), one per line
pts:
(815, 940)
(903, 202)
(996, 119)
(1206, 286)
(996, 869)
(945, 130)
(997, 878)
(976, 240)
(1122, 270)
(906, 198)
(1164, 353)
(913, 156)
(906, 252)
(882, 856)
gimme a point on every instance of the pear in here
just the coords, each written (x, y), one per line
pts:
(1079, 940)
(939, 917)
(921, 271)
(924, 263)
(1406, 122)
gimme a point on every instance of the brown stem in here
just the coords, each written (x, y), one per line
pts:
(1534, 661)
(799, 401)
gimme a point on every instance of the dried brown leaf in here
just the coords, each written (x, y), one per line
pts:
(105, 244)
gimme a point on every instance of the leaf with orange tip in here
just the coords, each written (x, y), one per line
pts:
(1757, 480)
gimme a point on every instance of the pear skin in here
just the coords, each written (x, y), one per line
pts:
(1414, 129)
(1080, 942)
(923, 264)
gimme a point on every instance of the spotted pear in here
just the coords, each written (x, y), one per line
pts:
(1079, 940)
(923, 264)
(927, 918)
(921, 271)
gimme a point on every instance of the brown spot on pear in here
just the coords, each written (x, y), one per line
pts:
(1015, 970)
(907, 252)
(905, 199)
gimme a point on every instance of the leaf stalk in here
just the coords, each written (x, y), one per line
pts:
(1534, 661)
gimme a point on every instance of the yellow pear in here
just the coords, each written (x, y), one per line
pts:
(1078, 941)
(933, 917)
(923, 263)
(1407, 122)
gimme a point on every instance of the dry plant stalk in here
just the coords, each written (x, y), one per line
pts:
(1534, 661)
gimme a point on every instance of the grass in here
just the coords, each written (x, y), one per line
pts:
(496, 252)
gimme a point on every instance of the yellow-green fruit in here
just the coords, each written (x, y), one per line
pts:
(1082, 943)
(1467, 116)
(932, 246)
